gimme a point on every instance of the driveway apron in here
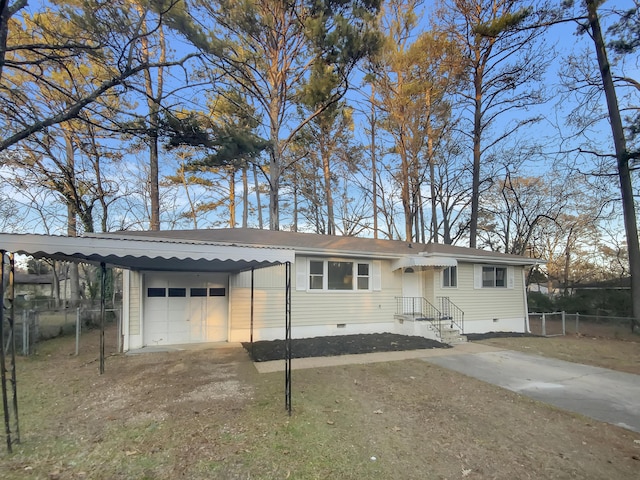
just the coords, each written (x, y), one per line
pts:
(599, 393)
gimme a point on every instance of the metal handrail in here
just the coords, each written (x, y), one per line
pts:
(452, 313)
(420, 309)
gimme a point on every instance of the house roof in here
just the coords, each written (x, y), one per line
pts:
(22, 278)
(309, 243)
(237, 249)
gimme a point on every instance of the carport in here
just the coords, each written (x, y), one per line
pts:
(113, 250)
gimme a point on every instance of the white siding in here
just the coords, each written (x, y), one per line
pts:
(486, 309)
(134, 303)
(311, 308)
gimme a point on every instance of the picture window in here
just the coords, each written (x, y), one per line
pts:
(339, 275)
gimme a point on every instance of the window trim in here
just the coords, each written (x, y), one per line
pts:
(354, 275)
(495, 269)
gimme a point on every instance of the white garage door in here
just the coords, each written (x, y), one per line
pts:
(185, 308)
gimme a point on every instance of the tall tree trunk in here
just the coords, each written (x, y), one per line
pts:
(275, 163)
(405, 195)
(295, 200)
(153, 103)
(154, 187)
(55, 285)
(622, 157)
(245, 197)
(326, 171)
(477, 152)
(232, 197)
(258, 203)
(192, 206)
(432, 177)
(374, 163)
(72, 225)
(274, 192)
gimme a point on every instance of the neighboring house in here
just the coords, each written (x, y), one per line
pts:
(203, 285)
(33, 285)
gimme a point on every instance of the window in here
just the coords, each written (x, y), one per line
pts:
(316, 275)
(156, 292)
(494, 277)
(217, 292)
(339, 275)
(450, 277)
(198, 292)
(363, 276)
(177, 292)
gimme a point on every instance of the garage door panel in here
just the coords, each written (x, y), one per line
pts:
(195, 308)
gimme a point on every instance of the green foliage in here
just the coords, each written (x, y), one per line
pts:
(225, 144)
(627, 31)
(498, 25)
(608, 302)
(539, 302)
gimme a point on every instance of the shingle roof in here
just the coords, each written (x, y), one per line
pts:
(309, 242)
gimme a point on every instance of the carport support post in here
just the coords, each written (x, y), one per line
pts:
(287, 343)
(103, 282)
(251, 333)
(11, 349)
(3, 371)
(12, 346)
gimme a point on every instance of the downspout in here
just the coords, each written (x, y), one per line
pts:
(526, 303)
(252, 297)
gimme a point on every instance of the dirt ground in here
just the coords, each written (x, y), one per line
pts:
(208, 414)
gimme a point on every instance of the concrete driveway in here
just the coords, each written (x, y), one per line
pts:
(605, 395)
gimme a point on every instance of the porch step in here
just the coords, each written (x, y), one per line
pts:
(452, 336)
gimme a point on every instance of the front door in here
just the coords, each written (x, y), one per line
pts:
(412, 291)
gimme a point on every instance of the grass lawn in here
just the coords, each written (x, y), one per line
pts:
(207, 414)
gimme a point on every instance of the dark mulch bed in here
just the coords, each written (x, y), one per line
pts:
(264, 351)
(483, 336)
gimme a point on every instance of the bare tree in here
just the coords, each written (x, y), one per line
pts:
(504, 67)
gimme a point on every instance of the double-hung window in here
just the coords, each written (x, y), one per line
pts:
(450, 277)
(339, 275)
(494, 277)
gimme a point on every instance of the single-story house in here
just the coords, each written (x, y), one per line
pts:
(31, 285)
(192, 286)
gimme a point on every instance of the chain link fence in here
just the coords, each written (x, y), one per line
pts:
(562, 323)
(33, 326)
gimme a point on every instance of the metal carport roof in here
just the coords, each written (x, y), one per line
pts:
(147, 253)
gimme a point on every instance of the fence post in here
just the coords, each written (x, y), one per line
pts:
(25, 333)
(544, 325)
(577, 322)
(77, 330)
(118, 313)
(564, 325)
